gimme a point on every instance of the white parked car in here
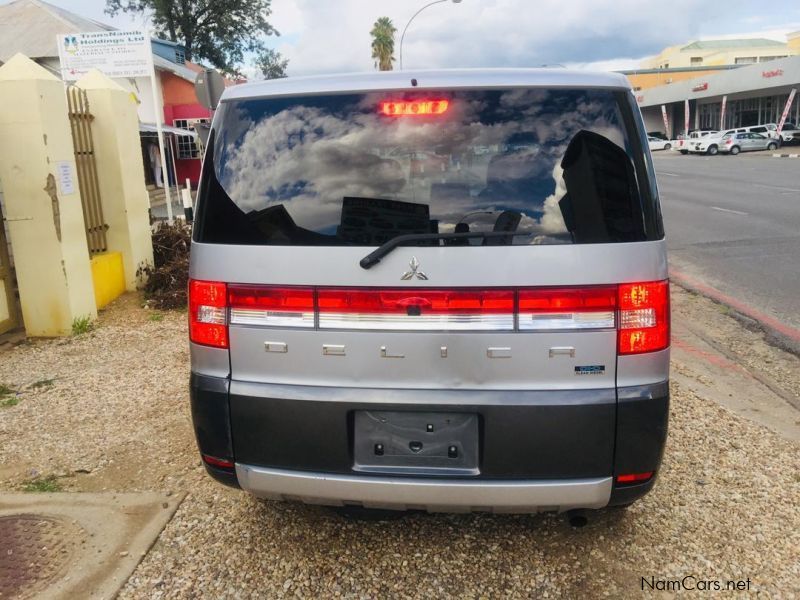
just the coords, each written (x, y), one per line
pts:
(685, 144)
(658, 144)
(790, 133)
(769, 130)
(710, 144)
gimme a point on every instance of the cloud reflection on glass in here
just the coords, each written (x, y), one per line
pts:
(336, 167)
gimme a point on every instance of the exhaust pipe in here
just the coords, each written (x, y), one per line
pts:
(577, 518)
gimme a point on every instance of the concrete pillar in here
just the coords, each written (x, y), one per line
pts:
(42, 200)
(115, 132)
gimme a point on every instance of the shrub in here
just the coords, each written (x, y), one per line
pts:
(168, 276)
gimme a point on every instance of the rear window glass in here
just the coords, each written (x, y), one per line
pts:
(550, 166)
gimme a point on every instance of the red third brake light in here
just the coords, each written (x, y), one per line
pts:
(643, 317)
(400, 108)
(208, 322)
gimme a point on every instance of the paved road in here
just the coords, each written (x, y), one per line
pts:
(734, 223)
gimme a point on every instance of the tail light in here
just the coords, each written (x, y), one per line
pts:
(426, 309)
(567, 308)
(638, 311)
(208, 322)
(271, 306)
(643, 317)
(633, 478)
(220, 463)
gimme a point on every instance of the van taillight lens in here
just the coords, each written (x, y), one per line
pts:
(632, 478)
(429, 301)
(567, 308)
(271, 306)
(208, 324)
(643, 317)
(639, 311)
(416, 309)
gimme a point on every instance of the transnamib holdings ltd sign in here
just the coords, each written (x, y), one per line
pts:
(114, 53)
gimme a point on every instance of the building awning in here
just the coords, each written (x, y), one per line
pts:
(780, 74)
(151, 129)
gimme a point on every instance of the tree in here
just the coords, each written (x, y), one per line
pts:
(271, 64)
(217, 31)
(383, 43)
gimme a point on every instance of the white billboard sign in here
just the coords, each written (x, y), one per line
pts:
(114, 53)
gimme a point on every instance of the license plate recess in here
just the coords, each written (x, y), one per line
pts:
(416, 443)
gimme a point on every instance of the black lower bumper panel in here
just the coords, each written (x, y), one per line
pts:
(523, 435)
(212, 423)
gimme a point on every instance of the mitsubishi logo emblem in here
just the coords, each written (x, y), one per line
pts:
(414, 272)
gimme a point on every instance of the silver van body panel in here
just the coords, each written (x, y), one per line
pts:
(481, 266)
(532, 360)
(467, 366)
(428, 494)
(434, 396)
(432, 79)
(205, 360)
(643, 369)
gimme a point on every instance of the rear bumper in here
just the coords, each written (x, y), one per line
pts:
(425, 493)
(550, 450)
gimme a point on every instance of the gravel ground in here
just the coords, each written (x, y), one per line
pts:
(103, 410)
(725, 507)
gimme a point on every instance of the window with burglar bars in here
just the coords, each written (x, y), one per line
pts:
(188, 146)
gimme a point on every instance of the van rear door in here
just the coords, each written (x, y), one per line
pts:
(297, 191)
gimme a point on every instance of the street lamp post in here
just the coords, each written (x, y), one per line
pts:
(402, 37)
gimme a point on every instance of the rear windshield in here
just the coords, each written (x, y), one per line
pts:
(550, 166)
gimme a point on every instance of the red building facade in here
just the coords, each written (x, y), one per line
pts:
(181, 109)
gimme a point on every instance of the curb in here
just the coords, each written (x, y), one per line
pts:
(787, 336)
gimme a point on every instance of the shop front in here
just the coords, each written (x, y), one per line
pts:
(752, 95)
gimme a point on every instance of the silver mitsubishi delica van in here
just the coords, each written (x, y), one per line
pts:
(443, 290)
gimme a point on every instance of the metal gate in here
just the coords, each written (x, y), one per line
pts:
(80, 120)
(8, 304)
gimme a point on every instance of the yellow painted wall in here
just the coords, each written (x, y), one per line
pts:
(794, 42)
(108, 275)
(45, 218)
(676, 58)
(120, 171)
(649, 80)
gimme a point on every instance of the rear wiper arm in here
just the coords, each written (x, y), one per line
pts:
(374, 257)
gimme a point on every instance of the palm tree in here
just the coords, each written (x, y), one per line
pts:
(383, 43)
